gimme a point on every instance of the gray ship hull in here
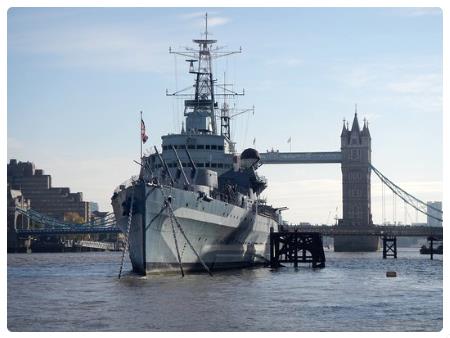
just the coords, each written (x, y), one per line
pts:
(223, 234)
(356, 243)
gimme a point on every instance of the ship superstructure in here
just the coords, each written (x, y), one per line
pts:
(196, 203)
(200, 135)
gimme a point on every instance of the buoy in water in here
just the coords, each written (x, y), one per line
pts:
(391, 274)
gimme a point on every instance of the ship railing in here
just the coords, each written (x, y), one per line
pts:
(128, 183)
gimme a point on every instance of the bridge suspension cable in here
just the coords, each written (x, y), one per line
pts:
(394, 197)
(383, 206)
(416, 203)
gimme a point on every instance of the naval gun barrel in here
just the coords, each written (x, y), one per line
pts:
(181, 166)
(165, 165)
(194, 167)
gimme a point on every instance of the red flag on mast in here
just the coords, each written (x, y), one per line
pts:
(144, 137)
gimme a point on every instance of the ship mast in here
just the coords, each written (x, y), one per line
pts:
(226, 114)
(200, 107)
(204, 91)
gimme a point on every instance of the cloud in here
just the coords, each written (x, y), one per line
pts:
(264, 85)
(217, 21)
(287, 62)
(371, 116)
(306, 199)
(14, 145)
(197, 18)
(422, 83)
(193, 15)
(96, 46)
(414, 85)
(419, 92)
(137, 46)
(420, 189)
(15, 148)
(361, 75)
(420, 11)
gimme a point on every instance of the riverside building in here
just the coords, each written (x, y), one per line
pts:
(36, 187)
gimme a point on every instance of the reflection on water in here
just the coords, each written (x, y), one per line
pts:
(81, 292)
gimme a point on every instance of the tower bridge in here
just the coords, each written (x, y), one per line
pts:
(356, 167)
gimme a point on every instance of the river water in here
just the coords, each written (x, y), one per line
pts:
(81, 292)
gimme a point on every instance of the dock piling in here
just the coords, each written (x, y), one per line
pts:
(286, 245)
(389, 247)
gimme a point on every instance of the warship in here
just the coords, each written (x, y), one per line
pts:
(196, 204)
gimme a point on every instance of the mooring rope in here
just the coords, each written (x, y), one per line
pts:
(130, 216)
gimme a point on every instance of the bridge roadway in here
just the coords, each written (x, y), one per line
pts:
(67, 231)
(275, 157)
(375, 230)
(111, 246)
(325, 230)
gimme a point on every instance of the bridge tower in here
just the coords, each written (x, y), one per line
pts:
(356, 158)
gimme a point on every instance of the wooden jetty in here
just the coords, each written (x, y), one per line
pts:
(296, 247)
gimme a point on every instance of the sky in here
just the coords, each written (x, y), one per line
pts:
(78, 77)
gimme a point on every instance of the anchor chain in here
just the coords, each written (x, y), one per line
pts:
(176, 244)
(130, 216)
(184, 247)
(188, 242)
(172, 214)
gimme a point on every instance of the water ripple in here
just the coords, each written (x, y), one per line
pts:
(81, 292)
